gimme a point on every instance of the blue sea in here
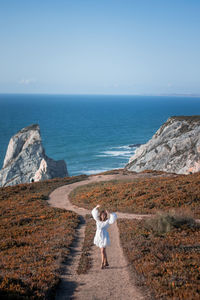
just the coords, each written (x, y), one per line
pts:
(91, 133)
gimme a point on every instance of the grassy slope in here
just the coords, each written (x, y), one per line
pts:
(34, 239)
(144, 195)
(167, 264)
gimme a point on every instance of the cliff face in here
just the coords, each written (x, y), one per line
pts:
(26, 160)
(174, 148)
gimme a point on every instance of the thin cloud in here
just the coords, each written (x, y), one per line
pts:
(24, 81)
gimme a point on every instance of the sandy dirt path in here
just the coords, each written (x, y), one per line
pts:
(113, 282)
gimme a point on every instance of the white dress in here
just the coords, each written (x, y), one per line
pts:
(101, 238)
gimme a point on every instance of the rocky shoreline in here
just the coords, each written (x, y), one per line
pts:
(26, 161)
(174, 148)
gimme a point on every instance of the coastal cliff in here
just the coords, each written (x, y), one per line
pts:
(26, 161)
(175, 148)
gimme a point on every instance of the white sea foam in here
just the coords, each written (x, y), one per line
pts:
(116, 153)
(124, 151)
(123, 147)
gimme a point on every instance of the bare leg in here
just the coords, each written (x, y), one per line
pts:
(104, 261)
(102, 257)
(105, 258)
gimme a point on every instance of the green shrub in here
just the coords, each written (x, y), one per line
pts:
(164, 222)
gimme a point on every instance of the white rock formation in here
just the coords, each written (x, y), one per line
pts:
(26, 161)
(174, 148)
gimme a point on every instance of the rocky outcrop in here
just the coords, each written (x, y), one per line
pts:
(174, 148)
(26, 161)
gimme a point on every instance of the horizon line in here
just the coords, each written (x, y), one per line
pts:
(104, 94)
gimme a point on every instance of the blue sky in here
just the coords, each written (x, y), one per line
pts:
(100, 46)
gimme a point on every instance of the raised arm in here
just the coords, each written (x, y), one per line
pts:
(95, 213)
(112, 218)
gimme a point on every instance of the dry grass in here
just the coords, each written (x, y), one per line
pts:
(167, 264)
(142, 195)
(85, 262)
(34, 239)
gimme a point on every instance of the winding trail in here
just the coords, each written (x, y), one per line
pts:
(111, 283)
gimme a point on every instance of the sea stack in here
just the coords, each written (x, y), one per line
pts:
(175, 148)
(26, 161)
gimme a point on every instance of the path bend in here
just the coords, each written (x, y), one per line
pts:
(111, 283)
(60, 197)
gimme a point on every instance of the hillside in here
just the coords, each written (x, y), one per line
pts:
(35, 238)
(148, 193)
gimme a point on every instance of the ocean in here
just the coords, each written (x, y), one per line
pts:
(91, 133)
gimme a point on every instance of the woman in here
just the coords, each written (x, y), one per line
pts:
(101, 238)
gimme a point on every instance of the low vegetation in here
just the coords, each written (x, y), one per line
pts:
(162, 223)
(34, 239)
(147, 194)
(164, 251)
(166, 261)
(85, 262)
